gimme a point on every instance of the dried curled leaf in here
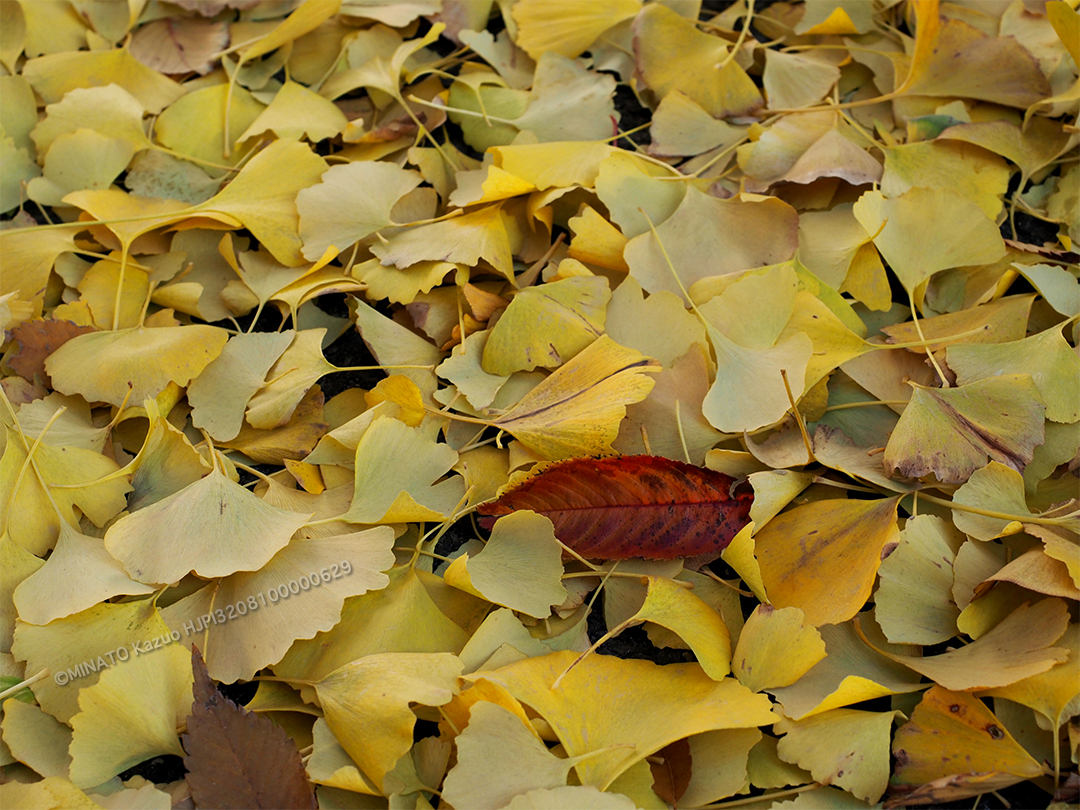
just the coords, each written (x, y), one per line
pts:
(632, 506)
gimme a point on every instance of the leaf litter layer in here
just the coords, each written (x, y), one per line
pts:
(818, 313)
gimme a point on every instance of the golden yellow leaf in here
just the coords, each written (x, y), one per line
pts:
(366, 703)
(776, 648)
(576, 411)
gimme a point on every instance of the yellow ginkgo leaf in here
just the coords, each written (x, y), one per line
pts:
(1053, 365)
(1050, 693)
(78, 574)
(37, 498)
(292, 374)
(296, 112)
(696, 623)
(366, 704)
(402, 617)
(53, 793)
(576, 411)
(577, 797)
(84, 159)
(84, 646)
(1017, 648)
(262, 197)
(680, 126)
(341, 209)
(980, 177)
(219, 395)
(633, 708)
(851, 672)
(110, 111)
(213, 527)
(36, 739)
(479, 234)
(724, 93)
(194, 125)
(547, 325)
(130, 715)
(722, 759)
(387, 492)
(496, 741)
(520, 567)
(842, 747)
(951, 432)
(953, 734)
(55, 75)
(330, 764)
(30, 254)
(133, 363)
(776, 648)
(926, 230)
(822, 557)
(794, 80)
(16, 564)
(465, 370)
(402, 285)
(658, 326)
(393, 344)
(325, 572)
(566, 26)
(914, 600)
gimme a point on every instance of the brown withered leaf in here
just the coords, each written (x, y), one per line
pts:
(620, 507)
(237, 759)
(671, 770)
(37, 340)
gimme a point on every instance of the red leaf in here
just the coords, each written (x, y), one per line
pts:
(619, 507)
(671, 768)
(236, 758)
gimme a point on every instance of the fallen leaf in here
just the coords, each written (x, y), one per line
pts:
(236, 758)
(632, 506)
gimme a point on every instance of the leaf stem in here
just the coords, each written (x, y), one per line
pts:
(764, 797)
(11, 690)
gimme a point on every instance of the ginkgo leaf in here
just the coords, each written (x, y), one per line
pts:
(724, 93)
(954, 734)
(402, 617)
(195, 125)
(69, 643)
(519, 568)
(859, 764)
(78, 574)
(851, 672)
(37, 498)
(332, 568)
(995, 488)
(56, 74)
(775, 648)
(576, 411)
(330, 765)
(567, 27)
(579, 797)
(16, 564)
(631, 506)
(495, 741)
(413, 492)
(290, 377)
(914, 602)
(924, 231)
(951, 432)
(366, 704)
(1017, 648)
(84, 159)
(37, 739)
(606, 703)
(110, 111)
(479, 234)
(1053, 692)
(1054, 368)
(658, 326)
(340, 209)
(797, 80)
(262, 197)
(822, 557)
(707, 236)
(219, 395)
(222, 528)
(136, 363)
(547, 325)
(464, 368)
(130, 715)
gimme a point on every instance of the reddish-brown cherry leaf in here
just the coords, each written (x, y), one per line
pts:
(671, 771)
(37, 340)
(236, 758)
(619, 507)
